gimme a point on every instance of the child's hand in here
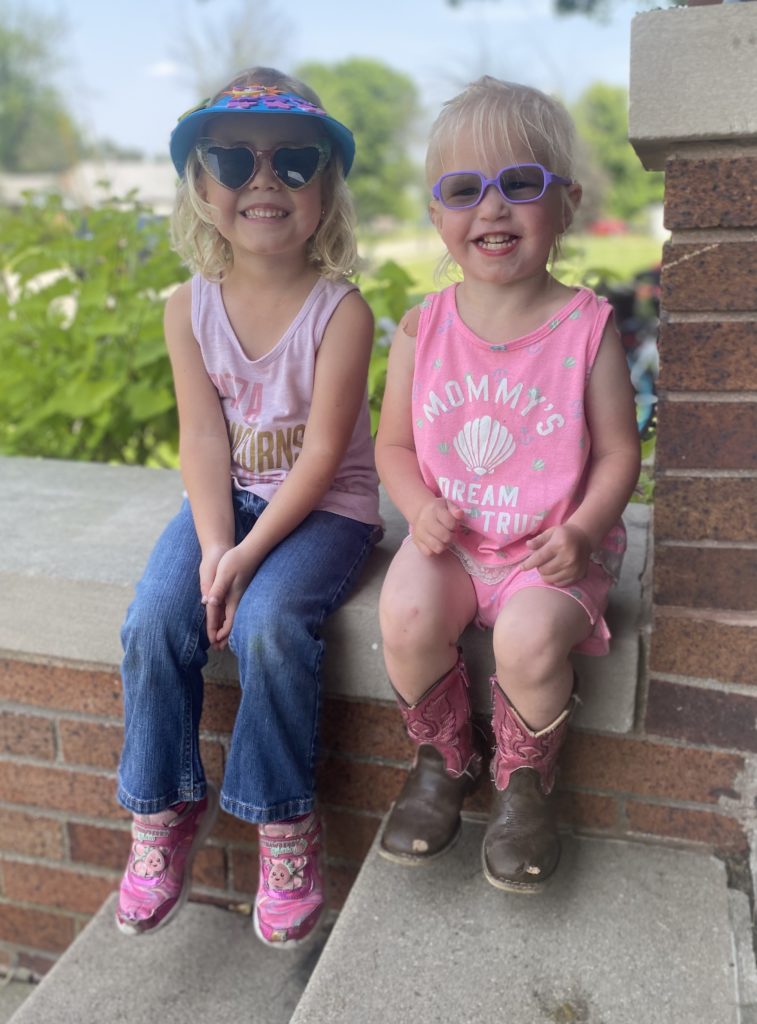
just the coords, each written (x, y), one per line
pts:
(561, 554)
(209, 566)
(434, 526)
(232, 578)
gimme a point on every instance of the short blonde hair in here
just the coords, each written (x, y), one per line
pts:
(499, 115)
(332, 249)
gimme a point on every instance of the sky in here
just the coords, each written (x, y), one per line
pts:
(127, 76)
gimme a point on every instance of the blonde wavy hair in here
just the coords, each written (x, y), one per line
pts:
(499, 116)
(332, 249)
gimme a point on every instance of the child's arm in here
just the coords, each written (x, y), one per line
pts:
(433, 519)
(562, 553)
(338, 393)
(203, 439)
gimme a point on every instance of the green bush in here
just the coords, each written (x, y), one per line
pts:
(85, 373)
(388, 292)
(85, 370)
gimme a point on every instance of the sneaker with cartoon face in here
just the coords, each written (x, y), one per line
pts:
(290, 900)
(158, 874)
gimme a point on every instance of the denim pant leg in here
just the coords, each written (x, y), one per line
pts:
(271, 763)
(165, 649)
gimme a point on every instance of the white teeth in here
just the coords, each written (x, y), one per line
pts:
(496, 241)
(263, 214)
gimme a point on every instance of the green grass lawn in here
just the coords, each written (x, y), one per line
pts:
(586, 257)
(616, 257)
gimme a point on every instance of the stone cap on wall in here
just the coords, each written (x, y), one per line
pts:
(76, 537)
(693, 79)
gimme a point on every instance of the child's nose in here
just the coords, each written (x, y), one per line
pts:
(263, 176)
(493, 202)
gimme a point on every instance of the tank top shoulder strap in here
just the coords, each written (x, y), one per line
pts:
(435, 309)
(321, 303)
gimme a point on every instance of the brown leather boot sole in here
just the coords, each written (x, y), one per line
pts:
(424, 821)
(521, 847)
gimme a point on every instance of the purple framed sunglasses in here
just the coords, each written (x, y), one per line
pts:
(521, 183)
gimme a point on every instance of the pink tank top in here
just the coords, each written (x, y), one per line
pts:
(500, 429)
(266, 401)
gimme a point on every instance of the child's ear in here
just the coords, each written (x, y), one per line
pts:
(575, 192)
(433, 212)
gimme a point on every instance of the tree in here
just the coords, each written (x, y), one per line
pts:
(592, 8)
(36, 131)
(601, 119)
(601, 7)
(380, 106)
(211, 52)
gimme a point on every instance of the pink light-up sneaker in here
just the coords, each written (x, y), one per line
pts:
(290, 900)
(158, 874)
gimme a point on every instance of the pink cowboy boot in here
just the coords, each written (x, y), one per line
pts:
(158, 874)
(521, 846)
(290, 899)
(424, 821)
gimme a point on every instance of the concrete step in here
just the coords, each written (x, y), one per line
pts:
(626, 934)
(13, 993)
(205, 968)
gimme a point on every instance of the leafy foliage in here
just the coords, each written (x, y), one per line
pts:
(388, 293)
(380, 106)
(36, 131)
(85, 369)
(601, 119)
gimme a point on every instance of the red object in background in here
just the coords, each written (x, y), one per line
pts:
(608, 226)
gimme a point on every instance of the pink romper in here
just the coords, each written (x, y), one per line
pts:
(500, 431)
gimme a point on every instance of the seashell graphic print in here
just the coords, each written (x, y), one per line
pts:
(483, 444)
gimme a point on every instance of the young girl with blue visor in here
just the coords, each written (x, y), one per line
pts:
(269, 346)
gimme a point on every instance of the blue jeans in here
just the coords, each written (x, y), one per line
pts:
(275, 637)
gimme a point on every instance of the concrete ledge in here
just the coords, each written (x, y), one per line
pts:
(76, 537)
(692, 79)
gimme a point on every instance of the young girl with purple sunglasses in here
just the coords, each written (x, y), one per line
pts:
(508, 441)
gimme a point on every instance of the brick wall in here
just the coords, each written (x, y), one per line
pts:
(704, 644)
(64, 841)
(692, 113)
(707, 450)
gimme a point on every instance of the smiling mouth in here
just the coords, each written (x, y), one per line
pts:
(258, 214)
(494, 243)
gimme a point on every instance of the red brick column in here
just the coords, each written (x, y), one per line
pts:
(698, 120)
(704, 645)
